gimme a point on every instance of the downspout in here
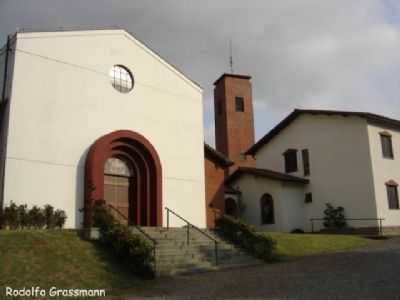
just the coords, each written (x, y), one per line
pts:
(3, 96)
(3, 105)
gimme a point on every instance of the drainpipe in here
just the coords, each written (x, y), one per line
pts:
(4, 112)
(3, 96)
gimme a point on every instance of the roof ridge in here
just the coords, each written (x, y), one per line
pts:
(224, 160)
(297, 111)
(276, 175)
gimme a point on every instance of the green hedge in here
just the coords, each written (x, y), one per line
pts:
(131, 249)
(246, 237)
(21, 217)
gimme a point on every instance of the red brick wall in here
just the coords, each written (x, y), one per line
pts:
(214, 182)
(234, 131)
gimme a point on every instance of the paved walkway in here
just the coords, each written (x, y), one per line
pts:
(370, 273)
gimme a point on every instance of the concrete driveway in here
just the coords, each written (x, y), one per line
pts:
(369, 273)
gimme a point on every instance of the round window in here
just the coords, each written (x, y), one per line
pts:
(121, 79)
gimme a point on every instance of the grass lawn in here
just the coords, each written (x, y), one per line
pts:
(291, 246)
(61, 259)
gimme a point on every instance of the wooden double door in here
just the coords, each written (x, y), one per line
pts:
(119, 190)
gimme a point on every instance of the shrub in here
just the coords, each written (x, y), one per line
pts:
(246, 237)
(132, 249)
(297, 230)
(11, 215)
(49, 216)
(102, 217)
(334, 217)
(23, 219)
(36, 217)
(20, 216)
(59, 218)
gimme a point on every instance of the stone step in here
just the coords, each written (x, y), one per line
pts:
(176, 232)
(207, 252)
(168, 270)
(194, 245)
(175, 256)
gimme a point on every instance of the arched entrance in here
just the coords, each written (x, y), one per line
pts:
(124, 170)
(267, 209)
(119, 188)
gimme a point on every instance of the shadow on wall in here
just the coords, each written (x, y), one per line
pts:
(80, 190)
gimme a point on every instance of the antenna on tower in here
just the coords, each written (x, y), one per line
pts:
(230, 56)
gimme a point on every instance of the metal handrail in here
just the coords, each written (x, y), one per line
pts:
(190, 225)
(380, 228)
(136, 226)
(145, 234)
(217, 213)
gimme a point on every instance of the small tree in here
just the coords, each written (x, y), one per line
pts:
(49, 215)
(23, 219)
(36, 217)
(11, 215)
(334, 217)
(59, 218)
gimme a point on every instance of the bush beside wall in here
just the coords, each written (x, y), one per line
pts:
(21, 217)
(246, 237)
(131, 249)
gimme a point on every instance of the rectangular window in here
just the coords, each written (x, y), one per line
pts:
(306, 161)
(393, 196)
(308, 198)
(290, 160)
(239, 103)
(387, 147)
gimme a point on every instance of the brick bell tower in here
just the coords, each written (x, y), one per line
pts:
(234, 121)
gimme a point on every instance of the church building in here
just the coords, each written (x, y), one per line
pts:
(97, 115)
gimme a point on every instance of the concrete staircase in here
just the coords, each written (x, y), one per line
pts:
(175, 256)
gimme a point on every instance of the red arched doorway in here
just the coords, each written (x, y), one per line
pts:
(138, 194)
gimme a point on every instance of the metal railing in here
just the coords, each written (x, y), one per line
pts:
(380, 220)
(217, 214)
(190, 225)
(145, 234)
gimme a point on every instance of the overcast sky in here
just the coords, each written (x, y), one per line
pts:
(329, 54)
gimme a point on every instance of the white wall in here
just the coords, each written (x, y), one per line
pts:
(339, 161)
(384, 169)
(292, 198)
(62, 101)
(288, 201)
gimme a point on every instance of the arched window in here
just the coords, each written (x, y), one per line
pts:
(267, 209)
(117, 166)
(230, 207)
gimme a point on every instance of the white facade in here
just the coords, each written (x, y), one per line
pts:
(288, 207)
(347, 169)
(384, 170)
(62, 101)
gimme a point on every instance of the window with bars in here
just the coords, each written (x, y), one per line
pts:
(121, 79)
(392, 194)
(239, 104)
(306, 161)
(387, 147)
